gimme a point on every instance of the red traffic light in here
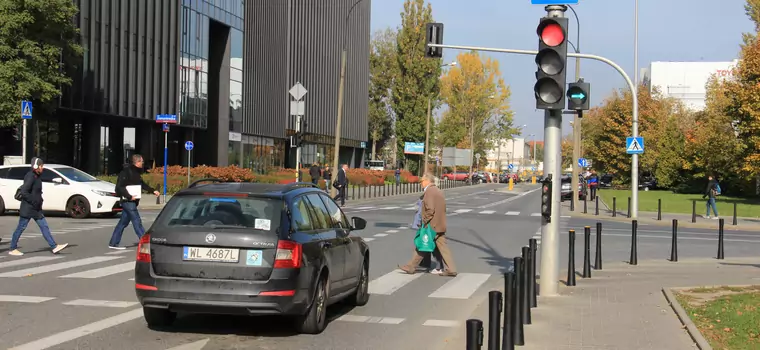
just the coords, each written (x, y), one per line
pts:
(552, 34)
(546, 188)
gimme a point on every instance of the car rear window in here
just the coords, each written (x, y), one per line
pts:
(221, 212)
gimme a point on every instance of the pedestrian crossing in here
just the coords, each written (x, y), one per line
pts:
(62, 228)
(458, 211)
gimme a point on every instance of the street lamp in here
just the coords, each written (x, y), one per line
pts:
(427, 128)
(472, 139)
(577, 118)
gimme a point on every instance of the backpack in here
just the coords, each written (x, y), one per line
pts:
(716, 190)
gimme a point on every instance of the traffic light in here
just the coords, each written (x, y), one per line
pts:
(434, 35)
(297, 139)
(546, 198)
(551, 61)
(578, 96)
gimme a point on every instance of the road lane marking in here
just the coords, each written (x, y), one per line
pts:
(389, 208)
(198, 345)
(441, 323)
(463, 210)
(565, 216)
(370, 319)
(120, 252)
(381, 235)
(76, 333)
(101, 303)
(461, 287)
(535, 214)
(103, 271)
(361, 208)
(392, 231)
(59, 266)
(513, 213)
(391, 282)
(487, 212)
(23, 299)
(410, 208)
(25, 261)
(369, 239)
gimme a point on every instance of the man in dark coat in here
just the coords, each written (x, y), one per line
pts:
(314, 172)
(30, 195)
(128, 187)
(342, 182)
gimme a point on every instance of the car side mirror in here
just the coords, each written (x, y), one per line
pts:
(358, 223)
(58, 181)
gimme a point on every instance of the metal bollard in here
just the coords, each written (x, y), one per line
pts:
(571, 259)
(474, 334)
(518, 329)
(674, 242)
(629, 207)
(585, 205)
(720, 239)
(614, 207)
(587, 252)
(494, 319)
(525, 286)
(385, 187)
(735, 222)
(507, 339)
(596, 206)
(572, 203)
(533, 244)
(694, 210)
(353, 192)
(659, 209)
(634, 242)
(598, 261)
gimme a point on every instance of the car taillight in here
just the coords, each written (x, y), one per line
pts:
(288, 255)
(143, 249)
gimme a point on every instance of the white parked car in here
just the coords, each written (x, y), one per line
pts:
(64, 189)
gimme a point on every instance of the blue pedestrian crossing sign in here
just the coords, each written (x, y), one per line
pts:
(510, 167)
(189, 145)
(26, 109)
(634, 145)
(533, 169)
(582, 162)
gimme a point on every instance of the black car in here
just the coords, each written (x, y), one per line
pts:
(566, 192)
(251, 249)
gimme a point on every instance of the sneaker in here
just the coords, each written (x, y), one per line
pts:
(116, 247)
(15, 252)
(436, 271)
(715, 218)
(60, 247)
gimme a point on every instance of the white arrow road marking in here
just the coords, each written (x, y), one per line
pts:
(192, 346)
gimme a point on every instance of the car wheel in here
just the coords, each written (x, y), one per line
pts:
(157, 318)
(78, 207)
(361, 296)
(313, 322)
(2, 206)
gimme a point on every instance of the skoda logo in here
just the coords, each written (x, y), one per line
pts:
(210, 238)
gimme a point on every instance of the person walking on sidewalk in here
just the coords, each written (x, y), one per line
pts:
(30, 195)
(712, 191)
(342, 183)
(128, 187)
(433, 214)
(314, 171)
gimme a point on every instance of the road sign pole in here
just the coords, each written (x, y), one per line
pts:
(23, 142)
(166, 155)
(188, 168)
(298, 150)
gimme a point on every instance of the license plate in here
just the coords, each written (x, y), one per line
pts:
(211, 254)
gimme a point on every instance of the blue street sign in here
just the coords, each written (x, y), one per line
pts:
(634, 145)
(26, 109)
(414, 148)
(582, 162)
(166, 118)
(166, 127)
(554, 2)
(364, 144)
(437, 158)
(533, 169)
(189, 145)
(510, 167)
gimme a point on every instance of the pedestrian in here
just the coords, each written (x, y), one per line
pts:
(593, 183)
(712, 191)
(30, 194)
(129, 185)
(427, 261)
(397, 173)
(327, 175)
(314, 173)
(341, 183)
(433, 214)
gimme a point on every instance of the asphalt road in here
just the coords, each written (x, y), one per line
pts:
(84, 297)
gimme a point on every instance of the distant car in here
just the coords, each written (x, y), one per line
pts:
(251, 249)
(64, 189)
(457, 176)
(566, 192)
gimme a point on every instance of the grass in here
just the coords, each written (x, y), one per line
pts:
(681, 203)
(728, 319)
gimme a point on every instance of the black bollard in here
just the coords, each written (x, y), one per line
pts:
(474, 334)
(659, 209)
(598, 261)
(694, 210)
(365, 192)
(533, 244)
(353, 192)
(735, 222)
(629, 207)
(571, 259)
(634, 242)
(720, 239)
(525, 308)
(507, 340)
(518, 336)
(494, 319)
(674, 242)
(596, 205)
(385, 187)
(614, 207)
(587, 252)
(572, 204)
(585, 205)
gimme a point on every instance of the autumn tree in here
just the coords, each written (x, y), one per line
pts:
(417, 77)
(566, 151)
(35, 37)
(478, 104)
(382, 69)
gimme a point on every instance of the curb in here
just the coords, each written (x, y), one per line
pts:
(695, 334)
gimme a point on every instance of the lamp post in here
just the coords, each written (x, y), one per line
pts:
(341, 87)
(472, 139)
(427, 127)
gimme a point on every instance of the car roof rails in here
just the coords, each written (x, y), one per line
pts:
(212, 179)
(297, 185)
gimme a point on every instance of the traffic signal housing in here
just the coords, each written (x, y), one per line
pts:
(434, 35)
(578, 96)
(551, 62)
(546, 198)
(298, 138)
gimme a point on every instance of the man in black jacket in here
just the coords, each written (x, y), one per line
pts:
(31, 208)
(314, 173)
(128, 187)
(342, 182)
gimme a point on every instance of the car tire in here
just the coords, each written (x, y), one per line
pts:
(2, 206)
(361, 296)
(158, 318)
(78, 207)
(314, 321)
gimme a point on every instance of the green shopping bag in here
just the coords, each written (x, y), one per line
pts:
(425, 239)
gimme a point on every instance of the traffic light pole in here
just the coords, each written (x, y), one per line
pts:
(298, 149)
(550, 228)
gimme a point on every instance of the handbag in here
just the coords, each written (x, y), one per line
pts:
(424, 240)
(18, 195)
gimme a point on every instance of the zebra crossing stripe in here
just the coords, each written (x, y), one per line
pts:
(101, 303)
(23, 299)
(462, 286)
(26, 261)
(463, 210)
(513, 213)
(535, 214)
(391, 282)
(104, 271)
(59, 266)
(487, 212)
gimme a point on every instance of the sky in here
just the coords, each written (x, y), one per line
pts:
(669, 30)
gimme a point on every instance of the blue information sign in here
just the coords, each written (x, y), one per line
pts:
(26, 109)
(414, 148)
(189, 145)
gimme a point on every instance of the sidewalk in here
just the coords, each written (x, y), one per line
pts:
(623, 306)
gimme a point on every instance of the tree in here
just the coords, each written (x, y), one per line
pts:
(416, 78)
(36, 36)
(478, 104)
(382, 69)
(566, 147)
